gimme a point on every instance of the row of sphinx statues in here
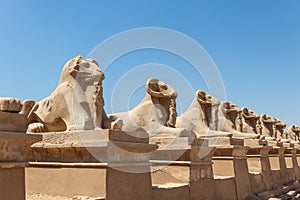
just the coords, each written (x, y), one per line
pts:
(77, 104)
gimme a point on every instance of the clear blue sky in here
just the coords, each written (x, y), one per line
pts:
(255, 44)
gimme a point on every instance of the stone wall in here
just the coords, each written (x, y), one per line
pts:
(227, 172)
(65, 164)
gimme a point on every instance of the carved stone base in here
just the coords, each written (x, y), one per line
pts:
(272, 143)
(87, 146)
(124, 155)
(255, 143)
(15, 147)
(14, 122)
(224, 141)
(13, 156)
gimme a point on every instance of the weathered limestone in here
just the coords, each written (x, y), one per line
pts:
(156, 114)
(268, 130)
(267, 182)
(295, 164)
(15, 146)
(201, 174)
(238, 155)
(250, 121)
(265, 166)
(241, 172)
(13, 122)
(201, 116)
(125, 156)
(13, 114)
(10, 105)
(268, 123)
(122, 151)
(198, 116)
(80, 146)
(228, 117)
(66, 179)
(197, 157)
(230, 120)
(218, 122)
(129, 170)
(280, 133)
(293, 133)
(282, 163)
(77, 102)
(13, 155)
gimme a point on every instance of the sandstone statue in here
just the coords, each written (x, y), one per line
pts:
(77, 102)
(230, 120)
(268, 124)
(201, 116)
(259, 127)
(250, 120)
(279, 131)
(293, 133)
(13, 114)
(155, 114)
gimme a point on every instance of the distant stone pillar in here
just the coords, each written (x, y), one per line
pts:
(201, 174)
(128, 174)
(282, 164)
(242, 178)
(295, 164)
(13, 156)
(266, 166)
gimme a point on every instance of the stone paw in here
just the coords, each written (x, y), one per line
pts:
(36, 128)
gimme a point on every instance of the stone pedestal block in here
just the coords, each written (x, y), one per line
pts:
(254, 143)
(295, 164)
(265, 166)
(201, 174)
(283, 167)
(14, 122)
(224, 141)
(125, 155)
(241, 172)
(13, 156)
(128, 173)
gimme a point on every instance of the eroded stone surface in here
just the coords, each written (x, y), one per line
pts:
(13, 114)
(279, 130)
(293, 133)
(230, 120)
(201, 117)
(10, 105)
(250, 121)
(77, 102)
(156, 113)
(13, 122)
(267, 123)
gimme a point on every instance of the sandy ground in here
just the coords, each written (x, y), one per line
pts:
(45, 197)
